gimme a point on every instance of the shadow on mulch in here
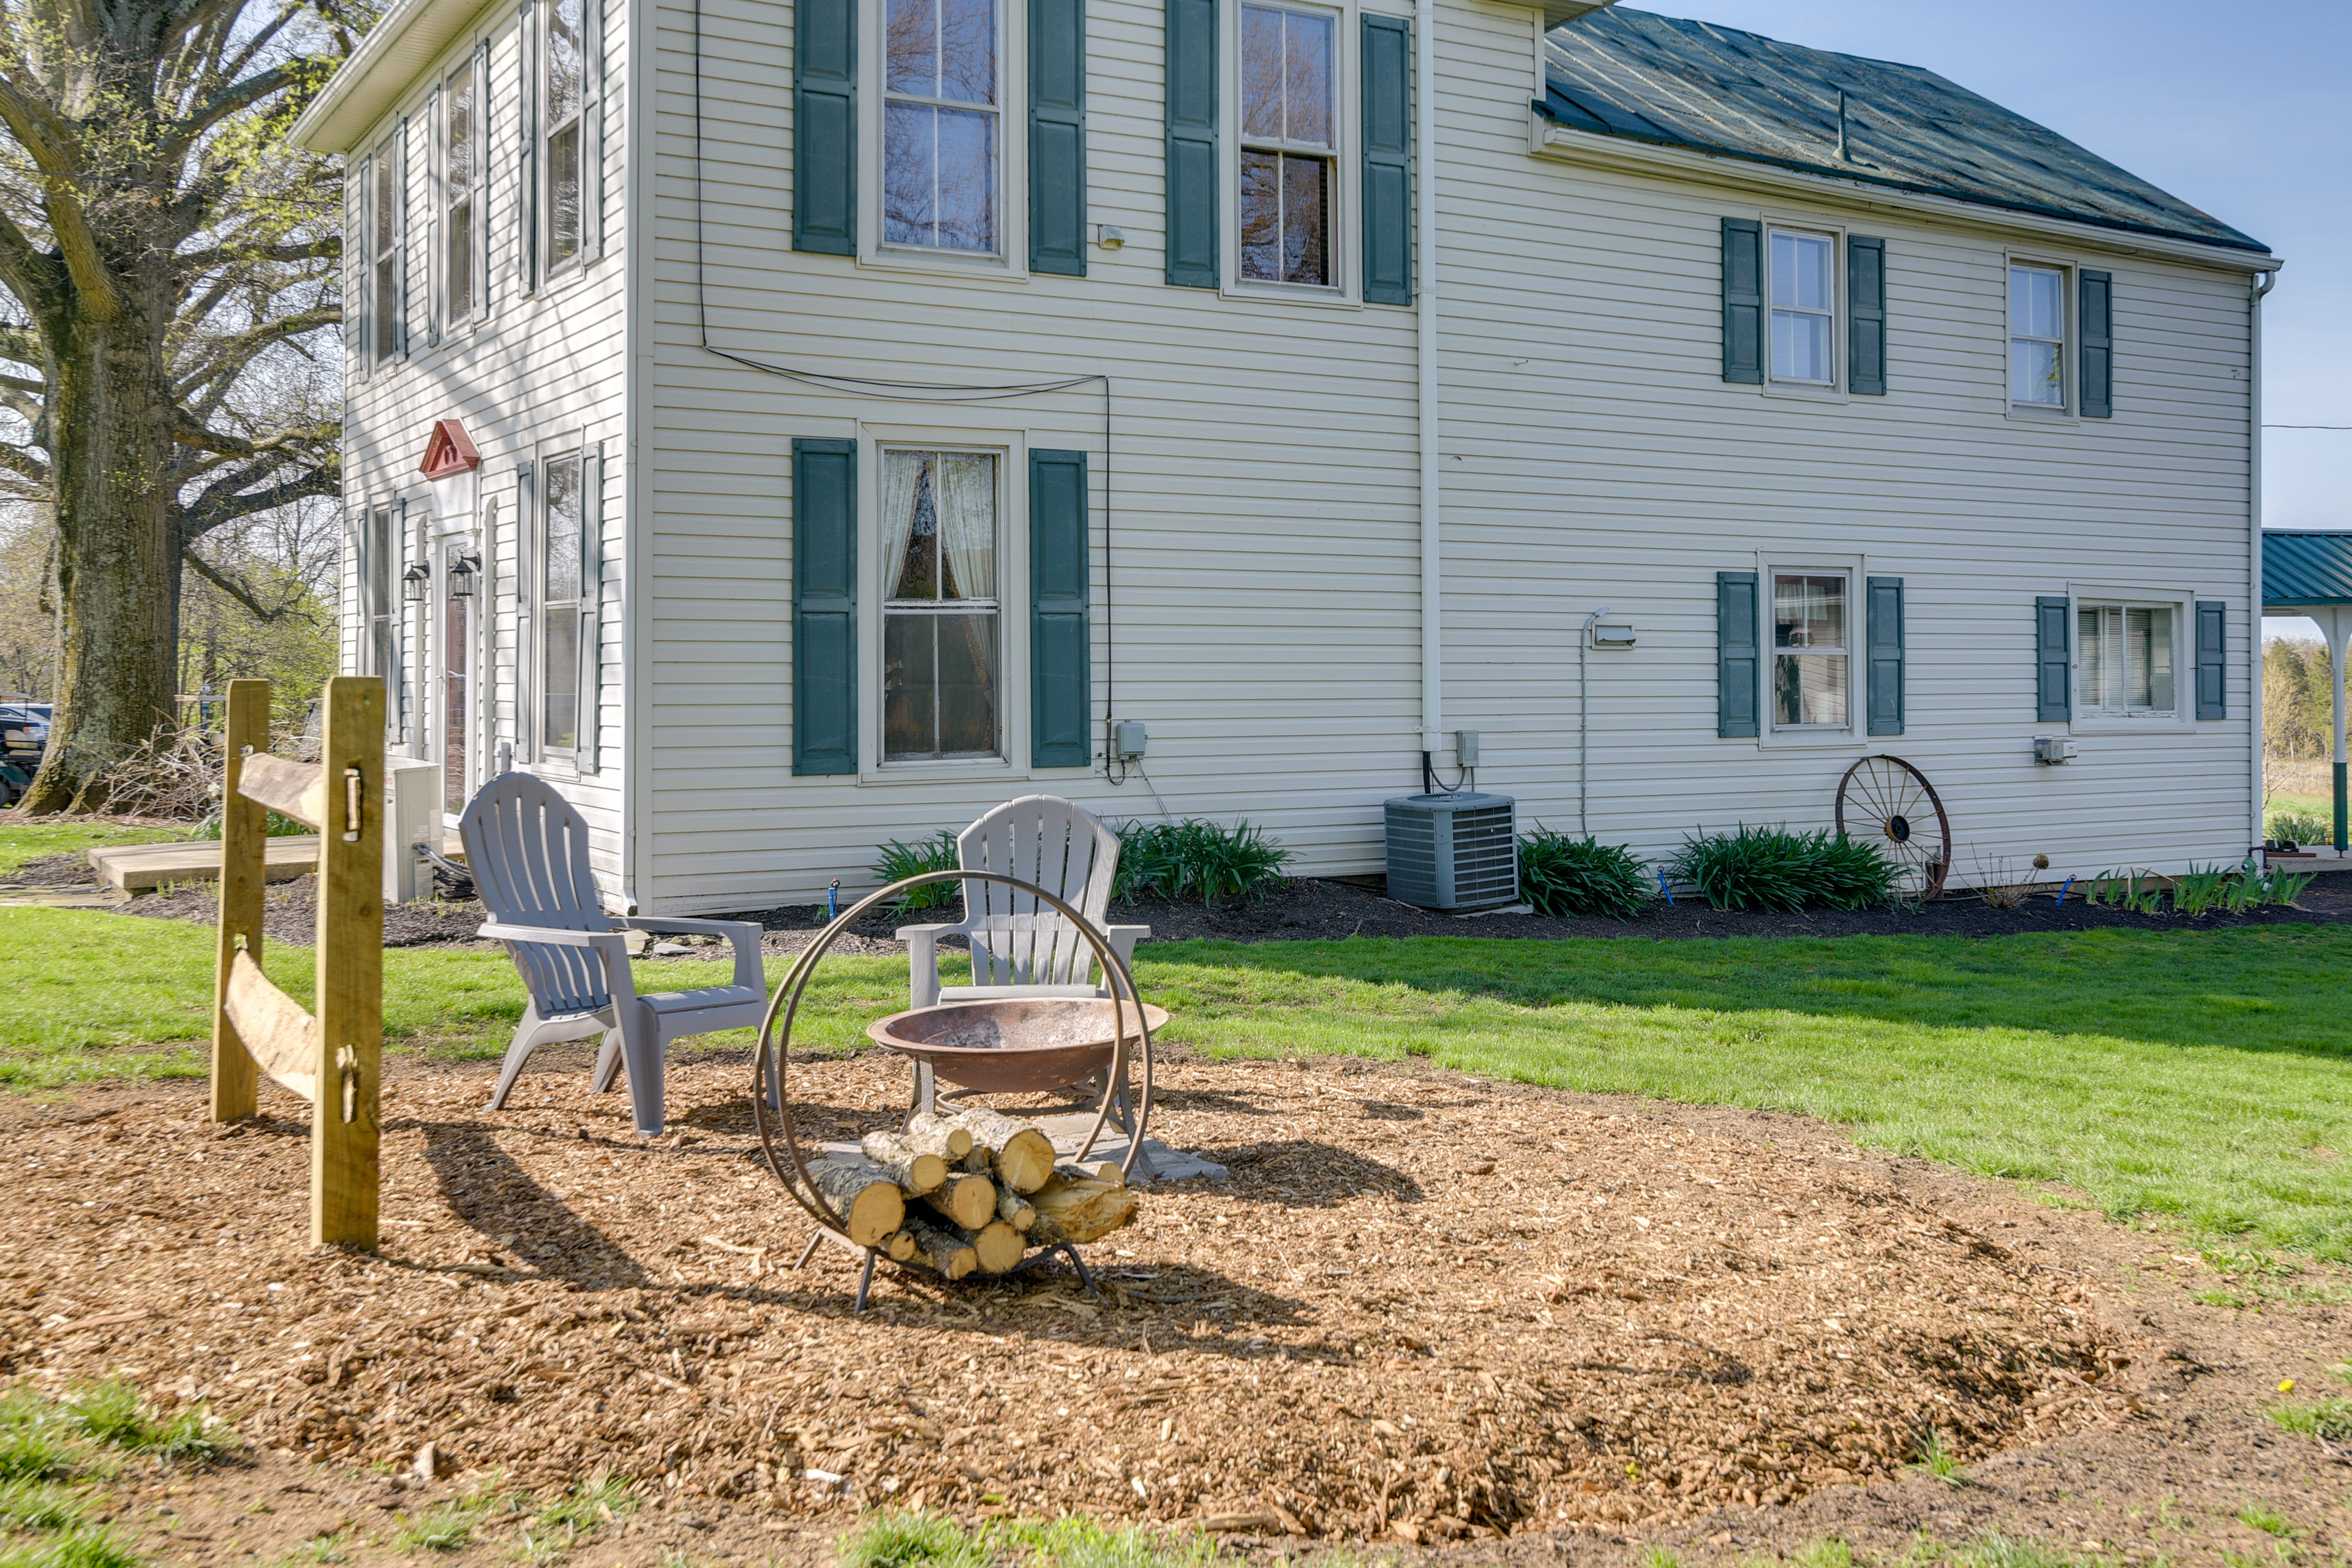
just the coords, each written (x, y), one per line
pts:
(489, 1189)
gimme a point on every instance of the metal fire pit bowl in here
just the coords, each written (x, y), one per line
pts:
(1011, 1045)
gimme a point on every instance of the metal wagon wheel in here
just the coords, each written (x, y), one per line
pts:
(1887, 802)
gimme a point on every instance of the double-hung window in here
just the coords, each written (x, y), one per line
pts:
(383, 253)
(566, 59)
(560, 604)
(942, 659)
(1810, 650)
(2125, 660)
(1289, 144)
(943, 132)
(2037, 337)
(1804, 315)
(460, 172)
(379, 565)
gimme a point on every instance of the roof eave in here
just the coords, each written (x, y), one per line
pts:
(1726, 165)
(395, 52)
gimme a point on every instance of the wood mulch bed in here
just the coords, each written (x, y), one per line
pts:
(1422, 1306)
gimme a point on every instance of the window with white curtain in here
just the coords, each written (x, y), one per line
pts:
(1804, 315)
(1810, 650)
(942, 135)
(2125, 661)
(940, 636)
(2037, 337)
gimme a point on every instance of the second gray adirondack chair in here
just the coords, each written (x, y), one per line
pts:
(1019, 947)
(527, 850)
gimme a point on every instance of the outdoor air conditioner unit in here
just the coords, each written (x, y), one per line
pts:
(1458, 851)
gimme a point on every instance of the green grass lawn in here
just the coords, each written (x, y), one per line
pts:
(22, 841)
(2202, 1076)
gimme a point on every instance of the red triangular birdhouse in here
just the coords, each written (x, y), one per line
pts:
(449, 451)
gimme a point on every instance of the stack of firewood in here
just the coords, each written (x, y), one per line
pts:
(974, 1191)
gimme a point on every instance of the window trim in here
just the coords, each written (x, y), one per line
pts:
(380, 337)
(2067, 410)
(474, 66)
(2183, 602)
(1836, 312)
(1011, 449)
(1010, 257)
(1346, 220)
(377, 580)
(1855, 570)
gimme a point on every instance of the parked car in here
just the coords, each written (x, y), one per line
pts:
(24, 734)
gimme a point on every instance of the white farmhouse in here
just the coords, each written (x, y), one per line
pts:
(790, 424)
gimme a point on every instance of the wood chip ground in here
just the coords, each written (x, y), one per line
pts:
(1422, 1307)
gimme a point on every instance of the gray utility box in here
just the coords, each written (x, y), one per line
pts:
(1458, 851)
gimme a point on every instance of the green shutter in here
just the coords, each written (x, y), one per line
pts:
(1057, 137)
(824, 127)
(1735, 654)
(1866, 332)
(2053, 652)
(1884, 631)
(1387, 159)
(2095, 364)
(2213, 652)
(400, 243)
(1743, 302)
(357, 296)
(1191, 66)
(591, 606)
(825, 607)
(1061, 689)
(526, 157)
(527, 592)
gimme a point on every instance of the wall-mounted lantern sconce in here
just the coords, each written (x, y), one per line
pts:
(415, 583)
(463, 571)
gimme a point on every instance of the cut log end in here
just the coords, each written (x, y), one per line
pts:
(1020, 1155)
(951, 1255)
(939, 1134)
(867, 1198)
(1080, 1211)
(998, 1247)
(970, 1201)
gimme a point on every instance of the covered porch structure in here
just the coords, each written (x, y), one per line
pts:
(2310, 574)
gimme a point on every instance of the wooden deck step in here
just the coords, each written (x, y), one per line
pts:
(138, 868)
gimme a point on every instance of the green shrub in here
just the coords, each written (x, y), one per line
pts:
(1564, 876)
(2301, 826)
(898, 861)
(1194, 858)
(1776, 868)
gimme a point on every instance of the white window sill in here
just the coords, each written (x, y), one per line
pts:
(2118, 724)
(1804, 391)
(958, 771)
(944, 263)
(1806, 736)
(2026, 414)
(1308, 294)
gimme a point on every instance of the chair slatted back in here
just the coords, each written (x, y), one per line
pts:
(528, 848)
(1058, 845)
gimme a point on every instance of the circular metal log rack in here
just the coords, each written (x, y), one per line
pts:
(770, 1062)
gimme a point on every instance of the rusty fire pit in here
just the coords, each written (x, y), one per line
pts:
(1011, 1045)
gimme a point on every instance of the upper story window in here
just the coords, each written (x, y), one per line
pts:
(941, 660)
(1809, 650)
(1805, 317)
(941, 133)
(566, 59)
(2127, 658)
(1289, 144)
(383, 250)
(2037, 337)
(460, 165)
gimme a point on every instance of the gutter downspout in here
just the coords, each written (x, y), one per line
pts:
(2269, 281)
(1424, 135)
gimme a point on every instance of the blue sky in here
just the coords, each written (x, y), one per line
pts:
(2240, 109)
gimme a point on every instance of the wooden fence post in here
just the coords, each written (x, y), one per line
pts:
(244, 843)
(350, 984)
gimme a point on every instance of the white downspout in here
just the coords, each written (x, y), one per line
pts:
(1424, 192)
(2255, 523)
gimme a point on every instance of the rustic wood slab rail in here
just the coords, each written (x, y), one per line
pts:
(332, 1057)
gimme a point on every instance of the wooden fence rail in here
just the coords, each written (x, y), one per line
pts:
(332, 1057)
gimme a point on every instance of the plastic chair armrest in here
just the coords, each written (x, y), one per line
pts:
(743, 934)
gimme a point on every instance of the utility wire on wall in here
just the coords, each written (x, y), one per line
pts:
(911, 391)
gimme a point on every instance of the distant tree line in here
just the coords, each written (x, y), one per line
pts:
(2297, 690)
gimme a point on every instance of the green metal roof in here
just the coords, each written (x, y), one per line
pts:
(2301, 569)
(1717, 90)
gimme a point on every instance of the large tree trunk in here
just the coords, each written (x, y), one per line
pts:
(119, 559)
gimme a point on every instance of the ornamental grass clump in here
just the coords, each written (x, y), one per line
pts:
(896, 861)
(1194, 858)
(1563, 876)
(1776, 868)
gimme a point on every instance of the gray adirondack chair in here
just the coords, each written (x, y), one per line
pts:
(1019, 947)
(528, 848)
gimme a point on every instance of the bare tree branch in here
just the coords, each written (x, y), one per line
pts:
(209, 514)
(237, 591)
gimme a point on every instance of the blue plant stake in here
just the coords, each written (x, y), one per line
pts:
(833, 901)
(2065, 890)
(1664, 889)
